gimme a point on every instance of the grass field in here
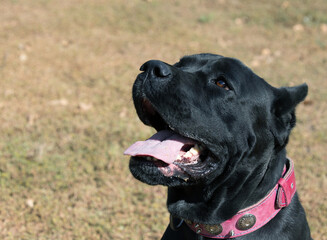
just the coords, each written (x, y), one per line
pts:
(66, 72)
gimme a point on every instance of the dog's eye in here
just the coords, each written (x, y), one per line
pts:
(221, 82)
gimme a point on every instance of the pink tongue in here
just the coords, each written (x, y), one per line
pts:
(164, 145)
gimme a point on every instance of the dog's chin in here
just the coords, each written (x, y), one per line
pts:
(149, 173)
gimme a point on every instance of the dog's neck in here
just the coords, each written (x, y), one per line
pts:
(216, 203)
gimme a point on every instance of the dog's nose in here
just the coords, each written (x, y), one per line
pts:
(156, 69)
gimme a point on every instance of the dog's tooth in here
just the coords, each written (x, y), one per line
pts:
(179, 157)
(197, 147)
(185, 179)
(187, 155)
(194, 151)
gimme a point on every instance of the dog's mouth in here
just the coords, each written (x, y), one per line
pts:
(173, 154)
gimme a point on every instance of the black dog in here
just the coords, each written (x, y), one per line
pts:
(220, 149)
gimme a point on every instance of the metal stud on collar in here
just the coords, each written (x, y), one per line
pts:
(246, 222)
(213, 229)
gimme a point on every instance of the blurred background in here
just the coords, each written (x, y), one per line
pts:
(66, 112)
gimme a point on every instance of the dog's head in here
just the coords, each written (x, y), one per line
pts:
(213, 115)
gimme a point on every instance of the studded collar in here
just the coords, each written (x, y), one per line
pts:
(254, 217)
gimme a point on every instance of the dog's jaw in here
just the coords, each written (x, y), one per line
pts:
(184, 170)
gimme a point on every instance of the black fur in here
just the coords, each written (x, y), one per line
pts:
(244, 126)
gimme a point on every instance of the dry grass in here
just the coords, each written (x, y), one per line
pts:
(66, 71)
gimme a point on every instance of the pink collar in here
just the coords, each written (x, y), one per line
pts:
(254, 217)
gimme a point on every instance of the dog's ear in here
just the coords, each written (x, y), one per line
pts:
(286, 99)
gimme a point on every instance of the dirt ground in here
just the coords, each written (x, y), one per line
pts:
(66, 113)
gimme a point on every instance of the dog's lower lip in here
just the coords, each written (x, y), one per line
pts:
(198, 170)
(179, 169)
